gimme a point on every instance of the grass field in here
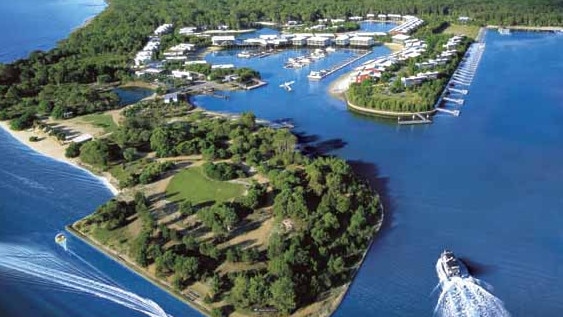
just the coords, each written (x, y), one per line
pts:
(104, 121)
(469, 30)
(193, 185)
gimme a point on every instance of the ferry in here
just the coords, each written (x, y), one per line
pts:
(449, 267)
(317, 75)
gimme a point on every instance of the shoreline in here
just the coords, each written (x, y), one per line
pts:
(52, 149)
(132, 267)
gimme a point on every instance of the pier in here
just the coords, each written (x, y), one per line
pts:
(458, 101)
(417, 118)
(463, 76)
(338, 67)
(459, 91)
(454, 113)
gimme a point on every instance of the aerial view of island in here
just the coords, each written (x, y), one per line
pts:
(281, 158)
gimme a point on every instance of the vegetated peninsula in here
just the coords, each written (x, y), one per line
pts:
(241, 221)
(224, 212)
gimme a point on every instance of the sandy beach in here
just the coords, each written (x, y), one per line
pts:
(50, 147)
(339, 86)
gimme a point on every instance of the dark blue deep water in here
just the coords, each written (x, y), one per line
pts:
(486, 184)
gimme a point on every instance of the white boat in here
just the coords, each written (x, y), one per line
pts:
(449, 267)
(330, 49)
(244, 54)
(317, 75)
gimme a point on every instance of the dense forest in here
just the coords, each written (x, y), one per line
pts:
(102, 51)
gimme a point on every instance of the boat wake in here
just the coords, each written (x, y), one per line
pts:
(466, 297)
(20, 263)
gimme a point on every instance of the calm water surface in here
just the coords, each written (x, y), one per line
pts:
(486, 184)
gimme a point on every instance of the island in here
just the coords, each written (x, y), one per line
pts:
(226, 212)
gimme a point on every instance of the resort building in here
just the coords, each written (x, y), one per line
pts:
(463, 19)
(318, 41)
(299, 40)
(182, 74)
(370, 16)
(342, 40)
(180, 49)
(382, 17)
(223, 40)
(419, 78)
(188, 30)
(362, 41)
(410, 23)
(394, 17)
(356, 18)
(169, 98)
(163, 29)
(223, 66)
(400, 38)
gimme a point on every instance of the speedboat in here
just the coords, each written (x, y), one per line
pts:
(60, 238)
(449, 267)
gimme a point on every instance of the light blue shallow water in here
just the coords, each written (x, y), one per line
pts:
(486, 184)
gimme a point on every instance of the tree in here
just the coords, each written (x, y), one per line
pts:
(283, 294)
(248, 119)
(73, 150)
(239, 292)
(186, 208)
(129, 154)
(95, 152)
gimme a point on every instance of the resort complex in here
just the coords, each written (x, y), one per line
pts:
(247, 158)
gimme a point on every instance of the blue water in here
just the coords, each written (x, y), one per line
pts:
(29, 25)
(486, 184)
(131, 95)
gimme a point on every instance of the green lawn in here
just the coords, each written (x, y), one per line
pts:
(101, 120)
(469, 30)
(193, 185)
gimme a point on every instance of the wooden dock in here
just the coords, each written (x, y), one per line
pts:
(417, 118)
(338, 67)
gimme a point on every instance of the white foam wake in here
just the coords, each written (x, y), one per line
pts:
(465, 297)
(21, 263)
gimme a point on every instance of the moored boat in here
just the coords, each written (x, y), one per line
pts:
(317, 75)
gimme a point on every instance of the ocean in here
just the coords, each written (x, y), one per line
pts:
(486, 185)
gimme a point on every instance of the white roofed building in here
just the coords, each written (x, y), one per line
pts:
(362, 41)
(163, 29)
(223, 40)
(342, 40)
(318, 41)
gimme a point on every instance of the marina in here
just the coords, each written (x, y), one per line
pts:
(323, 73)
(462, 77)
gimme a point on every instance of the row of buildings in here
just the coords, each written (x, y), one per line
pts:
(443, 58)
(299, 39)
(374, 68)
(410, 23)
(145, 55)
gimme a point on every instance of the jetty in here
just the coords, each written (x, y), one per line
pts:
(458, 101)
(454, 113)
(417, 118)
(327, 72)
(459, 91)
(463, 76)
